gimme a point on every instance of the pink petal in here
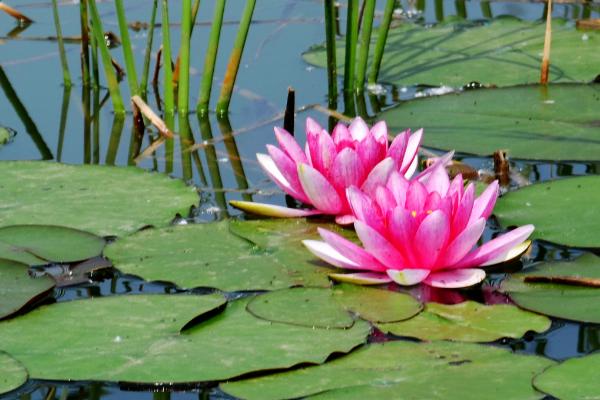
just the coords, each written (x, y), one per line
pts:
(456, 186)
(361, 278)
(364, 209)
(358, 129)
(380, 132)
(412, 148)
(341, 137)
(271, 169)
(319, 191)
(378, 175)
(312, 126)
(443, 160)
(454, 279)
(403, 225)
(351, 251)
(384, 198)
(398, 148)
(437, 181)
(371, 152)
(288, 169)
(398, 185)
(271, 210)
(430, 238)
(322, 157)
(408, 277)
(347, 170)
(379, 247)
(412, 168)
(462, 244)
(496, 250)
(289, 145)
(484, 204)
(344, 219)
(416, 195)
(463, 211)
(328, 254)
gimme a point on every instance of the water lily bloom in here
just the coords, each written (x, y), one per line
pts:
(422, 230)
(320, 174)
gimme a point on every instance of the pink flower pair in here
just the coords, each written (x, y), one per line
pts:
(421, 230)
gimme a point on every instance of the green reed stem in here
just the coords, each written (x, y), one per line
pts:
(146, 70)
(461, 8)
(234, 157)
(127, 53)
(235, 59)
(486, 9)
(331, 54)
(111, 78)
(365, 41)
(351, 40)
(382, 35)
(95, 70)
(61, 46)
(212, 163)
(211, 58)
(115, 139)
(85, 56)
(64, 111)
(183, 93)
(166, 56)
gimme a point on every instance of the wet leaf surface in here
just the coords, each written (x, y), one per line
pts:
(12, 373)
(573, 379)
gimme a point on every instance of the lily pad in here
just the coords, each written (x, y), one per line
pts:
(140, 340)
(97, 199)
(12, 374)
(504, 52)
(562, 211)
(568, 301)
(17, 288)
(573, 379)
(208, 255)
(554, 122)
(48, 243)
(468, 322)
(332, 308)
(438, 370)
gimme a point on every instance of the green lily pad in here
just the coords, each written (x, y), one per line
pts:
(568, 301)
(17, 288)
(468, 322)
(555, 122)
(438, 370)
(332, 308)
(48, 243)
(562, 211)
(504, 52)
(574, 379)
(208, 255)
(103, 200)
(12, 374)
(140, 340)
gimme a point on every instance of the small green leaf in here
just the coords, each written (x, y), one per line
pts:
(12, 374)
(573, 379)
(468, 322)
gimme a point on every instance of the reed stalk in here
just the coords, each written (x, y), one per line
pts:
(365, 41)
(212, 163)
(195, 9)
(148, 53)
(61, 46)
(95, 70)
(145, 109)
(461, 8)
(235, 59)
(111, 78)
(234, 157)
(290, 111)
(486, 9)
(382, 35)
(22, 18)
(85, 55)
(183, 92)
(330, 33)
(64, 111)
(211, 58)
(126, 46)
(547, 42)
(351, 40)
(115, 139)
(169, 96)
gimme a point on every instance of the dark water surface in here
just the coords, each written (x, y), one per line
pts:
(225, 168)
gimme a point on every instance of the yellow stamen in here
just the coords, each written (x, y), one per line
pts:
(413, 213)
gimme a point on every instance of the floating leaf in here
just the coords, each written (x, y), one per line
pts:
(468, 322)
(562, 211)
(17, 288)
(208, 255)
(12, 374)
(331, 308)
(555, 122)
(575, 302)
(574, 379)
(49, 243)
(438, 370)
(98, 199)
(504, 52)
(139, 339)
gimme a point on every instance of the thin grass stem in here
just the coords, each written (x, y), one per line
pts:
(211, 58)
(166, 56)
(235, 59)
(331, 52)
(365, 41)
(127, 52)
(351, 41)
(61, 46)
(148, 53)
(183, 92)
(547, 42)
(381, 39)
(85, 55)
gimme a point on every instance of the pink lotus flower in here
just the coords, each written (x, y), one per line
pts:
(320, 174)
(423, 230)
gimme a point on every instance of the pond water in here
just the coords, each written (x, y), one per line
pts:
(224, 167)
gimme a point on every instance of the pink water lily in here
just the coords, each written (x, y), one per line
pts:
(422, 230)
(319, 174)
